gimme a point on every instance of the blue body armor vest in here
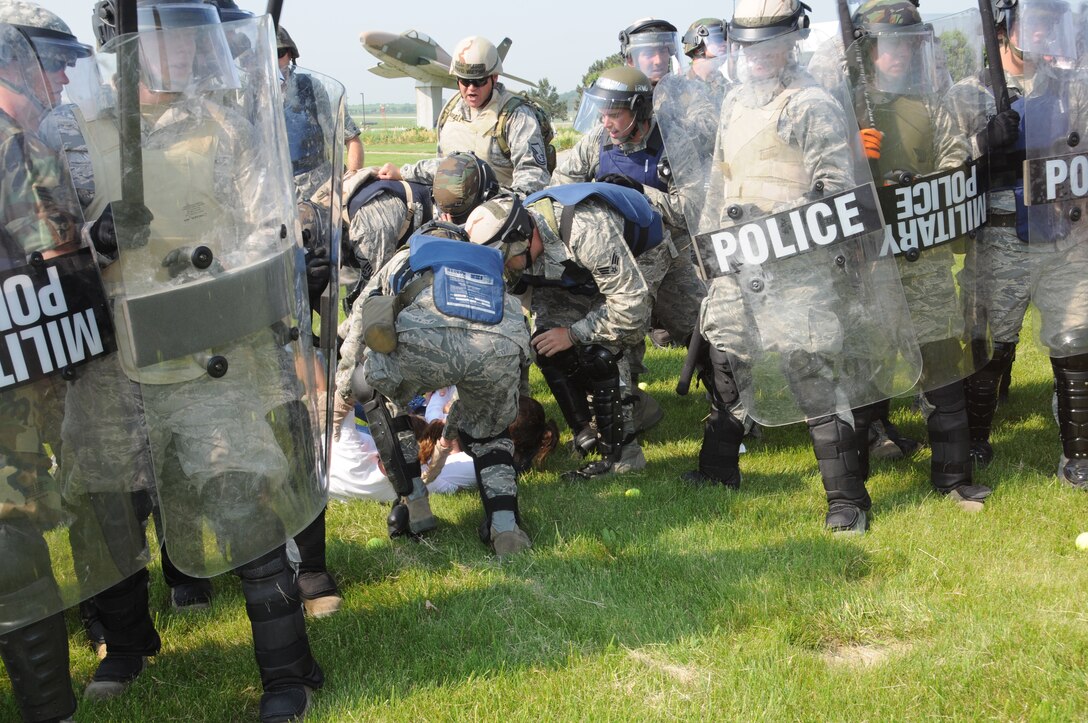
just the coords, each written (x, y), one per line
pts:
(640, 165)
(468, 278)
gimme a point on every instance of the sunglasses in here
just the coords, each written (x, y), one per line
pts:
(474, 82)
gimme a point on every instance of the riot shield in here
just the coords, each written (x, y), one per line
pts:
(933, 195)
(1050, 204)
(314, 111)
(65, 534)
(813, 318)
(209, 290)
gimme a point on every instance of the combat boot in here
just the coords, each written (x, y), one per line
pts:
(320, 595)
(510, 542)
(647, 412)
(130, 636)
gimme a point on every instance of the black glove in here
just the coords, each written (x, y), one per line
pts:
(1001, 131)
(621, 180)
(134, 220)
(318, 273)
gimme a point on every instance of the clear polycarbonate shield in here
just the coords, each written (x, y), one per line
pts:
(210, 297)
(319, 192)
(598, 100)
(67, 530)
(1050, 204)
(812, 316)
(933, 194)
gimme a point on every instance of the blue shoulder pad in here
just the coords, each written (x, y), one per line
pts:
(468, 278)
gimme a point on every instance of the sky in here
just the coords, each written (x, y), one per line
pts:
(557, 40)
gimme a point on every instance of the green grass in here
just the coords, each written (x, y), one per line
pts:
(684, 604)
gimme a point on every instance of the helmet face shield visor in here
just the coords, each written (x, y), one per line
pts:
(1044, 32)
(598, 101)
(656, 54)
(901, 60)
(765, 59)
(187, 59)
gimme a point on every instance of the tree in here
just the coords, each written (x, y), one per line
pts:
(547, 97)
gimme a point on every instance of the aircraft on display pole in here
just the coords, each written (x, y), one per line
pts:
(413, 54)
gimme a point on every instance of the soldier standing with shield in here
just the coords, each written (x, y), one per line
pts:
(912, 149)
(800, 307)
(55, 289)
(211, 300)
(1033, 248)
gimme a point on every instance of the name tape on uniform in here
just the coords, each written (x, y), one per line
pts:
(52, 317)
(932, 210)
(1060, 178)
(841, 217)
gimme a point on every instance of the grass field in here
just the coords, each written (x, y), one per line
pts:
(684, 604)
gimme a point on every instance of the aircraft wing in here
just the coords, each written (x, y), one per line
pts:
(387, 71)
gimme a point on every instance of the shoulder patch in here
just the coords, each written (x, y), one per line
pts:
(610, 268)
(539, 156)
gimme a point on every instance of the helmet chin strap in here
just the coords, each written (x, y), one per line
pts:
(628, 131)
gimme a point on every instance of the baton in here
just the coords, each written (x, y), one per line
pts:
(993, 56)
(691, 361)
(128, 91)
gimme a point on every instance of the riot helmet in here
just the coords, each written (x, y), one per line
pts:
(475, 58)
(229, 10)
(897, 47)
(462, 182)
(620, 88)
(1042, 30)
(442, 229)
(705, 38)
(502, 223)
(54, 46)
(182, 44)
(652, 46)
(763, 37)
(285, 44)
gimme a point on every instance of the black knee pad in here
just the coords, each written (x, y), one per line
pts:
(718, 378)
(599, 363)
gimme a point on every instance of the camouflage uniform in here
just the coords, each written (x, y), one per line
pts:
(435, 350)
(375, 229)
(618, 315)
(668, 270)
(525, 170)
(1010, 275)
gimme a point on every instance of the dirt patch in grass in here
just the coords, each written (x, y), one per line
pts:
(861, 656)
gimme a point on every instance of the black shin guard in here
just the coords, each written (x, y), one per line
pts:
(949, 438)
(604, 382)
(480, 462)
(864, 417)
(719, 457)
(36, 658)
(561, 373)
(314, 579)
(981, 390)
(1071, 386)
(279, 630)
(836, 450)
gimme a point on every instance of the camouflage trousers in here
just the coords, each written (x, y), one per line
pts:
(677, 293)
(1011, 275)
(486, 368)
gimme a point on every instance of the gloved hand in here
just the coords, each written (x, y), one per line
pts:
(318, 273)
(871, 139)
(340, 409)
(1001, 131)
(438, 460)
(621, 180)
(133, 219)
